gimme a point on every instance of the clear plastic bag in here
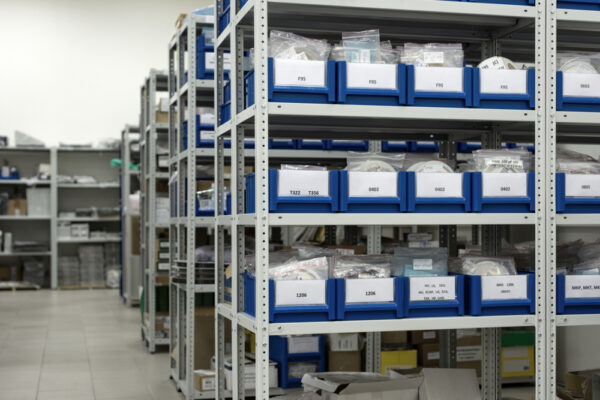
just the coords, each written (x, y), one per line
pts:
(276, 259)
(587, 268)
(361, 47)
(498, 63)
(362, 267)
(487, 266)
(206, 198)
(311, 269)
(375, 162)
(420, 262)
(296, 370)
(572, 162)
(433, 55)
(427, 164)
(294, 167)
(590, 251)
(502, 160)
(579, 63)
(306, 251)
(287, 45)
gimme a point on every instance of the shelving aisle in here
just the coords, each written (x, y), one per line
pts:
(131, 271)
(153, 145)
(483, 26)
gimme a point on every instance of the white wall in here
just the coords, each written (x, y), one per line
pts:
(71, 70)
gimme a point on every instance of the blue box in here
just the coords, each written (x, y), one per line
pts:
(378, 97)
(14, 176)
(573, 205)
(567, 103)
(467, 147)
(579, 4)
(300, 313)
(248, 144)
(199, 128)
(211, 213)
(294, 204)
(574, 306)
(463, 98)
(372, 204)
(343, 145)
(303, 144)
(440, 308)
(278, 351)
(224, 18)
(423, 147)
(477, 306)
(249, 88)
(283, 144)
(435, 204)
(225, 114)
(502, 204)
(394, 146)
(504, 101)
(368, 311)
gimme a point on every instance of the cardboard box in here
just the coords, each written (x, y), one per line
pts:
(17, 207)
(204, 338)
(449, 384)
(344, 361)
(403, 359)
(394, 338)
(205, 380)
(429, 355)
(344, 342)
(250, 374)
(469, 351)
(421, 337)
(518, 361)
(162, 117)
(11, 273)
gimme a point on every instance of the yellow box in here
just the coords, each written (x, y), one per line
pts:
(518, 361)
(398, 359)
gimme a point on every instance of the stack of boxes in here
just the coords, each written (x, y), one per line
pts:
(91, 258)
(396, 352)
(112, 256)
(344, 352)
(68, 271)
(162, 254)
(162, 210)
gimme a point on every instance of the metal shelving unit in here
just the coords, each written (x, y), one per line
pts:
(489, 29)
(131, 271)
(153, 133)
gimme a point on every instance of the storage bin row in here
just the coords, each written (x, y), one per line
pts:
(292, 191)
(397, 297)
(288, 351)
(572, 4)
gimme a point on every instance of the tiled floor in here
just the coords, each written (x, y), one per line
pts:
(77, 345)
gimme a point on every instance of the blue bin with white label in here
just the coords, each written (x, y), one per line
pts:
(311, 144)
(439, 87)
(519, 183)
(440, 296)
(586, 99)
(577, 294)
(295, 203)
(579, 4)
(200, 128)
(210, 212)
(224, 17)
(502, 82)
(368, 185)
(581, 204)
(500, 295)
(450, 200)
(395, 146)
(424, 147)
(289, 312)
(282, 351)
(347, 145)
(371, 84)
(354, 303)
(225, 108)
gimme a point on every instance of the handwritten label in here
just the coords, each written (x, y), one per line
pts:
(372, 184)
(369, 290)
(582, 185)
(508, 287)
(372, 76)
(581, 85)
(299, 73)
(582, 286)
(294, 183)
(438, 79)
(439, 185)
(309, 292)
(503, 81)
(440, 288)
(504, 185)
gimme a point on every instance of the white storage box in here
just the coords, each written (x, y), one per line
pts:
(38, 202)
(250, 374)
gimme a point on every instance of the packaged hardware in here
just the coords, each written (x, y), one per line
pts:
(287, 45)
(578, 63)
(499, 63)
(485, 266)
(572, 162)
(502, 161)
(420, 261)
(311, 269)
(449, 55)
(362, 266)
(375, 162)
(426, 164)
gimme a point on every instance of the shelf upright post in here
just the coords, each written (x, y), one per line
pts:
(53, 218)
(151, 201)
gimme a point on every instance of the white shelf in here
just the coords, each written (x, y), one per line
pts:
(578, 219)
(22, 218)
(83, 240)
(26, 254)
(91, 219)
(110, 185)
(26, 182)
(578, 320)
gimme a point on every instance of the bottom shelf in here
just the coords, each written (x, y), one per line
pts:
(157, 341)
(81, 287)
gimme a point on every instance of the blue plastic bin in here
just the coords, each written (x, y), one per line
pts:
(467, 147)
(574, 205)
(502, 204)
(199, 128)
(424, 147)
(346, 145)
(211, 213)
(304, 144)
(365, 96)
(579, 4)
(248, 143)
(294, 204)
(278, 352)
(226, 106)
(462, 98)
(372, 204)
(224, 17)
(568, 103)
(395, 146)
(298, 313)
(566, 305)
(513, 2)
(14, 176)
(283, 143)
(477, 306)
(439, 308)
(504, 101)
(438, 204)
(368, 311)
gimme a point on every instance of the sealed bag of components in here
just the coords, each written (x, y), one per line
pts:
(306, 251)
(294, 167)
(449, 55)
(361, 47)
(572, 162)
(420, 261)
(588, 252)
(287, 45)
(487, 266)
(311, 269)
(587, 268)
(375, 162)
(498, 63)
(362, 267)
(276, 259)
(579, 63)
(426, 164)
(502, 161)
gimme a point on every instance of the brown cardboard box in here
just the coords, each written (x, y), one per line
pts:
(11, 273)
(394, 338)
(17, 207)
(344, 361)
(429, 355)
(204, 339)
(421, 337)
(135, 235)
(579, 383)
(204, 380)
(469, 353)
(162, 117)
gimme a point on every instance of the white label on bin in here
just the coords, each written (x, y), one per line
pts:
(439, 185)
(210, 61)
(370, 290)
(303, 344)
(207, 135)
(299, 73)
(372, 184)
(580, 185)
(503, 81)
(435, 355)
(432, 288)
(397, 142)
(423, 264)
(438, 79)
(581, 85)
(504, 185)
(507, 287)
(303, 183)
(582, 286)
(371, 76)
(163, 266)
(468, 353)
(433, 57)
(309, 292)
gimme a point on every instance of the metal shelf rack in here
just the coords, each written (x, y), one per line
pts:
(488, 28)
